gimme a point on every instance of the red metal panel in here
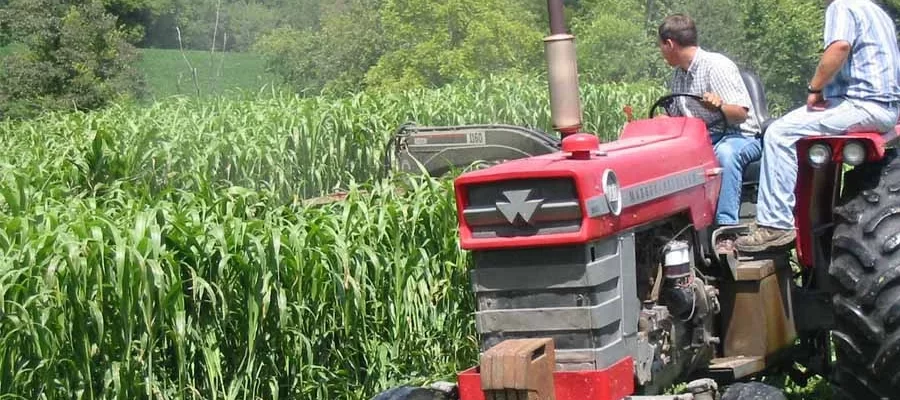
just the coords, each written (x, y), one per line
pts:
(648, 152)
(613, 383)
(804, 191)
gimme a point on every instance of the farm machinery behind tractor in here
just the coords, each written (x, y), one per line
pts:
(595, 274)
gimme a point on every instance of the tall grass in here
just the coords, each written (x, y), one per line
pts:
(168, 72)
(165, 252)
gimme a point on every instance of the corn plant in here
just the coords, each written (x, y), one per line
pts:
(166, 252)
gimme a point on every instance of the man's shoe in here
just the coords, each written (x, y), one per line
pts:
(725, 243)
(763, 238)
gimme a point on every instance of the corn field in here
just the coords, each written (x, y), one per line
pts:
(166, 252)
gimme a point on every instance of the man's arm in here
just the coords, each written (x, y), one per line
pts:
(840, 32)
(735, 114)
(729, 91)
(831, 62)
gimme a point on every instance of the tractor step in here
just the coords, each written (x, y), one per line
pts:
(734, 368)
(755, 270)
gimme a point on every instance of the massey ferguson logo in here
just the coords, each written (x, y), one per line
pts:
(518, 205)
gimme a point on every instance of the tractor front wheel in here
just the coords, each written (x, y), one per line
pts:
(418, 393)
(752, 391)
(865, 267)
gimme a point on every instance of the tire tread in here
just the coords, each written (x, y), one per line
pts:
(865, 267)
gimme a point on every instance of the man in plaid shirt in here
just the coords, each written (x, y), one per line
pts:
(718, 80)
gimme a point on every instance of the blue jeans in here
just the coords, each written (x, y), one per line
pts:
(778, 169)
(734, 151)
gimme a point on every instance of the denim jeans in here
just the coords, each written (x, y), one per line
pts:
(778, 169)
(734, 151)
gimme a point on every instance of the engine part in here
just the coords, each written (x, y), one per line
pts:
(679, 292)
(675, 334)
(677, 260)
(654, 343)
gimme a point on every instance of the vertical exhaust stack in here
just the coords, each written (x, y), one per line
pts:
(565, 103)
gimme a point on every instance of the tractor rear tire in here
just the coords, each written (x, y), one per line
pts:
(752, 391)
(865, 269)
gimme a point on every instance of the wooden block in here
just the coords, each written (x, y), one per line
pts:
(519, 369)
(754, 270)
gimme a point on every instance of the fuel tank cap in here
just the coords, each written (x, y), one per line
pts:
(580, 145)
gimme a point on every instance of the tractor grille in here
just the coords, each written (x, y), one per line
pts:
(582, 296)
(523, 207)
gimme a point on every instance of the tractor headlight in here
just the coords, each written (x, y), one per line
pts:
(854, 153)
(612, 192)
(819, 154)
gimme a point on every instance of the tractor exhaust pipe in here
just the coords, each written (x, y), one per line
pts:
(565, 103)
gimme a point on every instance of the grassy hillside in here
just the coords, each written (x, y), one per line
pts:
(168, 72)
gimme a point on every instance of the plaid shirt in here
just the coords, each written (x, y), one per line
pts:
(713, 72)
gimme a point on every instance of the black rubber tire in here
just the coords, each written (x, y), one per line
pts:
(752, 391)
(413, 393)
(865, 268)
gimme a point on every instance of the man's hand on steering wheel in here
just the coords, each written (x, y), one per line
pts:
(712, 101)
(707, 107)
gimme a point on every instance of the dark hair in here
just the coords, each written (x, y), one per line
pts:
(680, 28)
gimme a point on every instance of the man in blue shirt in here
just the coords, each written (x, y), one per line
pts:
(856, 87)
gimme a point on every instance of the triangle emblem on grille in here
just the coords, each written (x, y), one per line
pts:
(518, 205)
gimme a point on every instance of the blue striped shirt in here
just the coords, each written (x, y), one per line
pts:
(872, 70)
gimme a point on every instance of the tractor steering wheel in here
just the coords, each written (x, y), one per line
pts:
(710, 117)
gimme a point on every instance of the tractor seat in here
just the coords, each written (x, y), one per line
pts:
(758, 98)
(761, 108)
(751, 173)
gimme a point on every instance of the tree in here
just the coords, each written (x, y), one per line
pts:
(334, 58)
(614, 44)
(432, 42)
(138, 15)
(75, 57)
(783, 40)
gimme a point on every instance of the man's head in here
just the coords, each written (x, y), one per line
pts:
(676, 33)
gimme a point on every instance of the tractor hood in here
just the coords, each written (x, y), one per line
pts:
(658, 167)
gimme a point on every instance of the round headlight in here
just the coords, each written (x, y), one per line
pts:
(854, 153)
(612, 192)
(819, 154)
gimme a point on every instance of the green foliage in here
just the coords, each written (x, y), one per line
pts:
(136, 16)
(168, 72)
(243, 23)
(233, 25)
(349, 45)
(783, 43)
(432, 43)
(778, 39)
(405, 45)
(291, 54)
(719, 25)
(613, 44)
(75, 58)
(167, 252)
(397, 44)
(336, 57)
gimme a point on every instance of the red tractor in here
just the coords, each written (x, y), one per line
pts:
(595, 275)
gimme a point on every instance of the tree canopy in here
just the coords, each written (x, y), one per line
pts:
(342, 46)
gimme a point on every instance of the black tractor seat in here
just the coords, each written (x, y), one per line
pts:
(761, 109)
(751, 173)
(758, 98)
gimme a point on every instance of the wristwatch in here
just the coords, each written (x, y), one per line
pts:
(810, 90)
